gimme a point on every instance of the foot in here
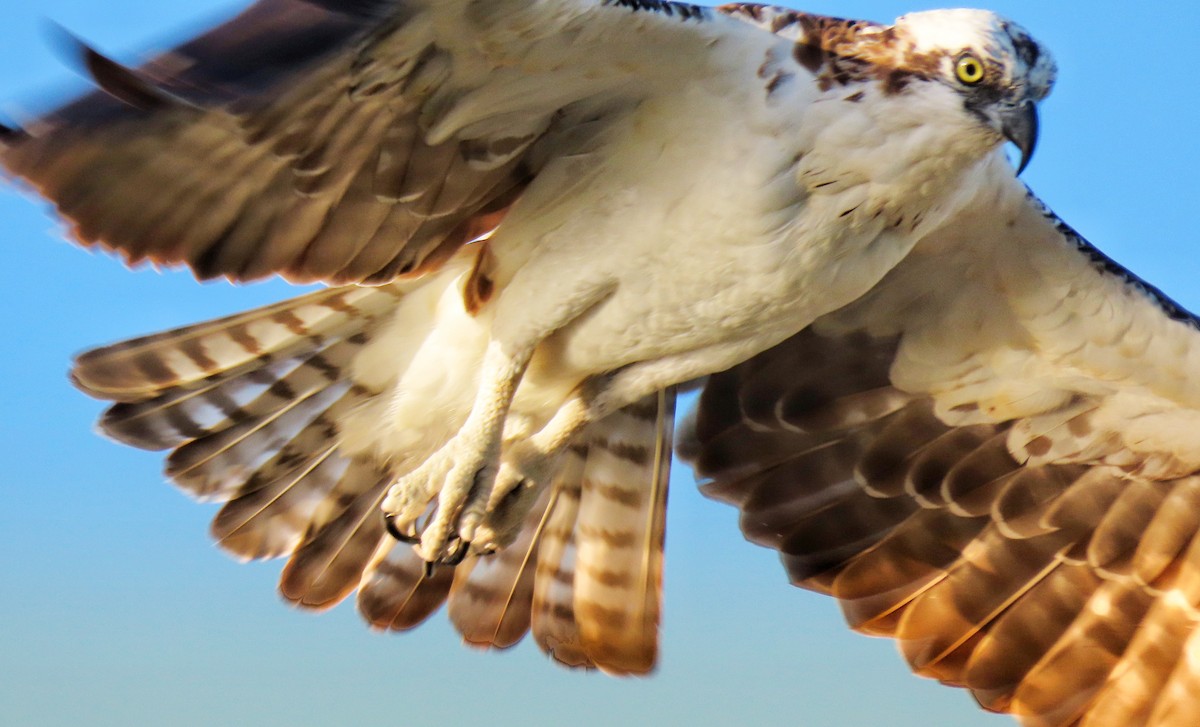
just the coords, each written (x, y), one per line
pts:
(463, 467)
(492, 519)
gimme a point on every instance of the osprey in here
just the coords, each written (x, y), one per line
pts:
(540, 217)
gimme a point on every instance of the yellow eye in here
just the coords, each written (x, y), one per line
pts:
(969, 70)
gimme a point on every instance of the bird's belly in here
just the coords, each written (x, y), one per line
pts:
(730, 292)
(700, 236)
(672, 309)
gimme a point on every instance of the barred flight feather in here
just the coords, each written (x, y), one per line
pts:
(141, 368)
(339, 544)
(188, 413)
(1062, 592)
(552, 620)
(255, 452)
(535, 584)
(491, 603)
(598, 584)
(251, 407)
(398, 593)
(619, 535)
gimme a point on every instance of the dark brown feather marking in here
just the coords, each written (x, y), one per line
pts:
(635, 453)
(610, 578)
(293, 323)
(154, 369)
(685, 11)
(194, 350)
(1046, 589)
(812, 57)
(241, 335)
(841, 52)
(616, 493)
(614, 540)
(479, 286)
(328, 370)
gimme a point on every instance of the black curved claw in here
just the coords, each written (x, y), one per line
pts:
(457, 555)
(389, 522)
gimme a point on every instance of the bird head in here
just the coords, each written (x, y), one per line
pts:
(993, 65)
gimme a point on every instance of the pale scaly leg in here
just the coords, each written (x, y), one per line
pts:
(528, 465)
(463, 472)
(467, 462)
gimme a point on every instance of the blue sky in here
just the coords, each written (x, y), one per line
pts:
(117, 610)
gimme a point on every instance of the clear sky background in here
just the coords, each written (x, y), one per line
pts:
(115, 609)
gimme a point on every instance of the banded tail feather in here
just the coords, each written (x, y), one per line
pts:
(599, 601)
(620, 533)
(143, 368)
(584, 575)
(252, 408)
(249, 406)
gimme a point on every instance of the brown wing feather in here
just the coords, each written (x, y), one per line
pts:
(1063, 593)
(289, 140)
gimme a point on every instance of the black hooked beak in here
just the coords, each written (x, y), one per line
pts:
(1020, 126)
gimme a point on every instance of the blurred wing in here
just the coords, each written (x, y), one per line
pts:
(344, 141)
(998, 469)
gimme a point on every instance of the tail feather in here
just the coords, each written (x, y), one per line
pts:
(552, 618)
(269, 521)
(338, 545)
(255, 409)
(143, 368)
(585, 573)
(492, 599)
(620, 533)
(185, 413)
(397, 593)
(599, 579)
(257, 451)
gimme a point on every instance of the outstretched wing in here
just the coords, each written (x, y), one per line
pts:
(347, 141)
(992, 458)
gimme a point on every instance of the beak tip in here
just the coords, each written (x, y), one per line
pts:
(1025, 159)
(1020, 126)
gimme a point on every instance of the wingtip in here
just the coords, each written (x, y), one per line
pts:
(122, 83)
(66, 43)
(10, 134)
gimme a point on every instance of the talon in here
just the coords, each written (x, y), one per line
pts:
(428, 569)
(456, 555)
(389, 523)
